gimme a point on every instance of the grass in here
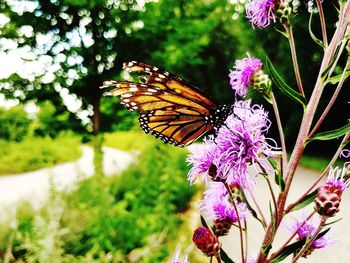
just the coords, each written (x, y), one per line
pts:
(35, 153)
(130, 140)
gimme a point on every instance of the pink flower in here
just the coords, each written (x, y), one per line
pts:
(241, 76)
(305, 229)
(260, 12)
(201, 157)
(216, 205)
(337, 181)
(241, 142)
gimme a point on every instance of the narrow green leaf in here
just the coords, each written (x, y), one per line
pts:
(283, 86)
(330, 135)
(290, 249)
(250, 208)
(314, 38)
(224, 257)
(279, 181)
(324, 74)
(306, 201)
(336, 79)
(203, 222)
(278, 176)
(267, 247)
(333, 222)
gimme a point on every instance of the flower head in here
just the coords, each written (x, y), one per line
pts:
(337, 180)
(260, 12)
(202, 158)
(217, 207)
(241, 142)
(307, 228)
(206, 241)
(242, 75)
(329, 195)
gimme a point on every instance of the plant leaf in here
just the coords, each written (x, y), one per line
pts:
(278, 176)
(225, 257)
(333, 222)
(314, 38)
(267, 247)
(330, 135)
(283, 86)
(203, 222)
(336, 79)
(250, 208)
(328, 68)
(289, 250)
(306, 201)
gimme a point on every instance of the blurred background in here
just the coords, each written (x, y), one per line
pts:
(55, 54)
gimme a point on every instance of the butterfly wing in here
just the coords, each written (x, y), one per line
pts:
(172, 110)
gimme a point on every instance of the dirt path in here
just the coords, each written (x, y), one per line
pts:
(34, 186)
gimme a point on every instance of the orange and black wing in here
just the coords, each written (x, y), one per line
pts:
(177, 118)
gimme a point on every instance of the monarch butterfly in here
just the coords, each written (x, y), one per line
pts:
(171, 109)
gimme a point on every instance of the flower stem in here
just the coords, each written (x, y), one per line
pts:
(238, 219)
(331, 102)
(323, 23)
(280, 131)
(257, 207)
(289, 31)
(310, 241)
(290, 238)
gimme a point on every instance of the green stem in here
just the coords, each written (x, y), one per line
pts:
(289, 31)
(280, 131)
(238, 219)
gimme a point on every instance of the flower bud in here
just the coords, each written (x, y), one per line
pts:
(261, 82)
(221, 227)
(329, 195)
(206, 241)
(327, 202)
(283, 12)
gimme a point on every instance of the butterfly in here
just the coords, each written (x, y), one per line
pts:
(171, 109)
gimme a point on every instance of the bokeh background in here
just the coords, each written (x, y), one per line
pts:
(55, 54)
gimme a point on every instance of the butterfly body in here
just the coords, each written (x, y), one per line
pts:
(171, 109)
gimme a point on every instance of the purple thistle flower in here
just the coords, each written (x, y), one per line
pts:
(306, 229)
(241, 76)
(202, 157)
(177, 259)
(337, 181)
(216, 205)
(260, 12)
(241, 142)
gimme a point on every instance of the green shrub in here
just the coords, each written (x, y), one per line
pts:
(14, 123)
(34, 153)
(130, 217)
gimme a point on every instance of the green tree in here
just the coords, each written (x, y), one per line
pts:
(14, 123)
